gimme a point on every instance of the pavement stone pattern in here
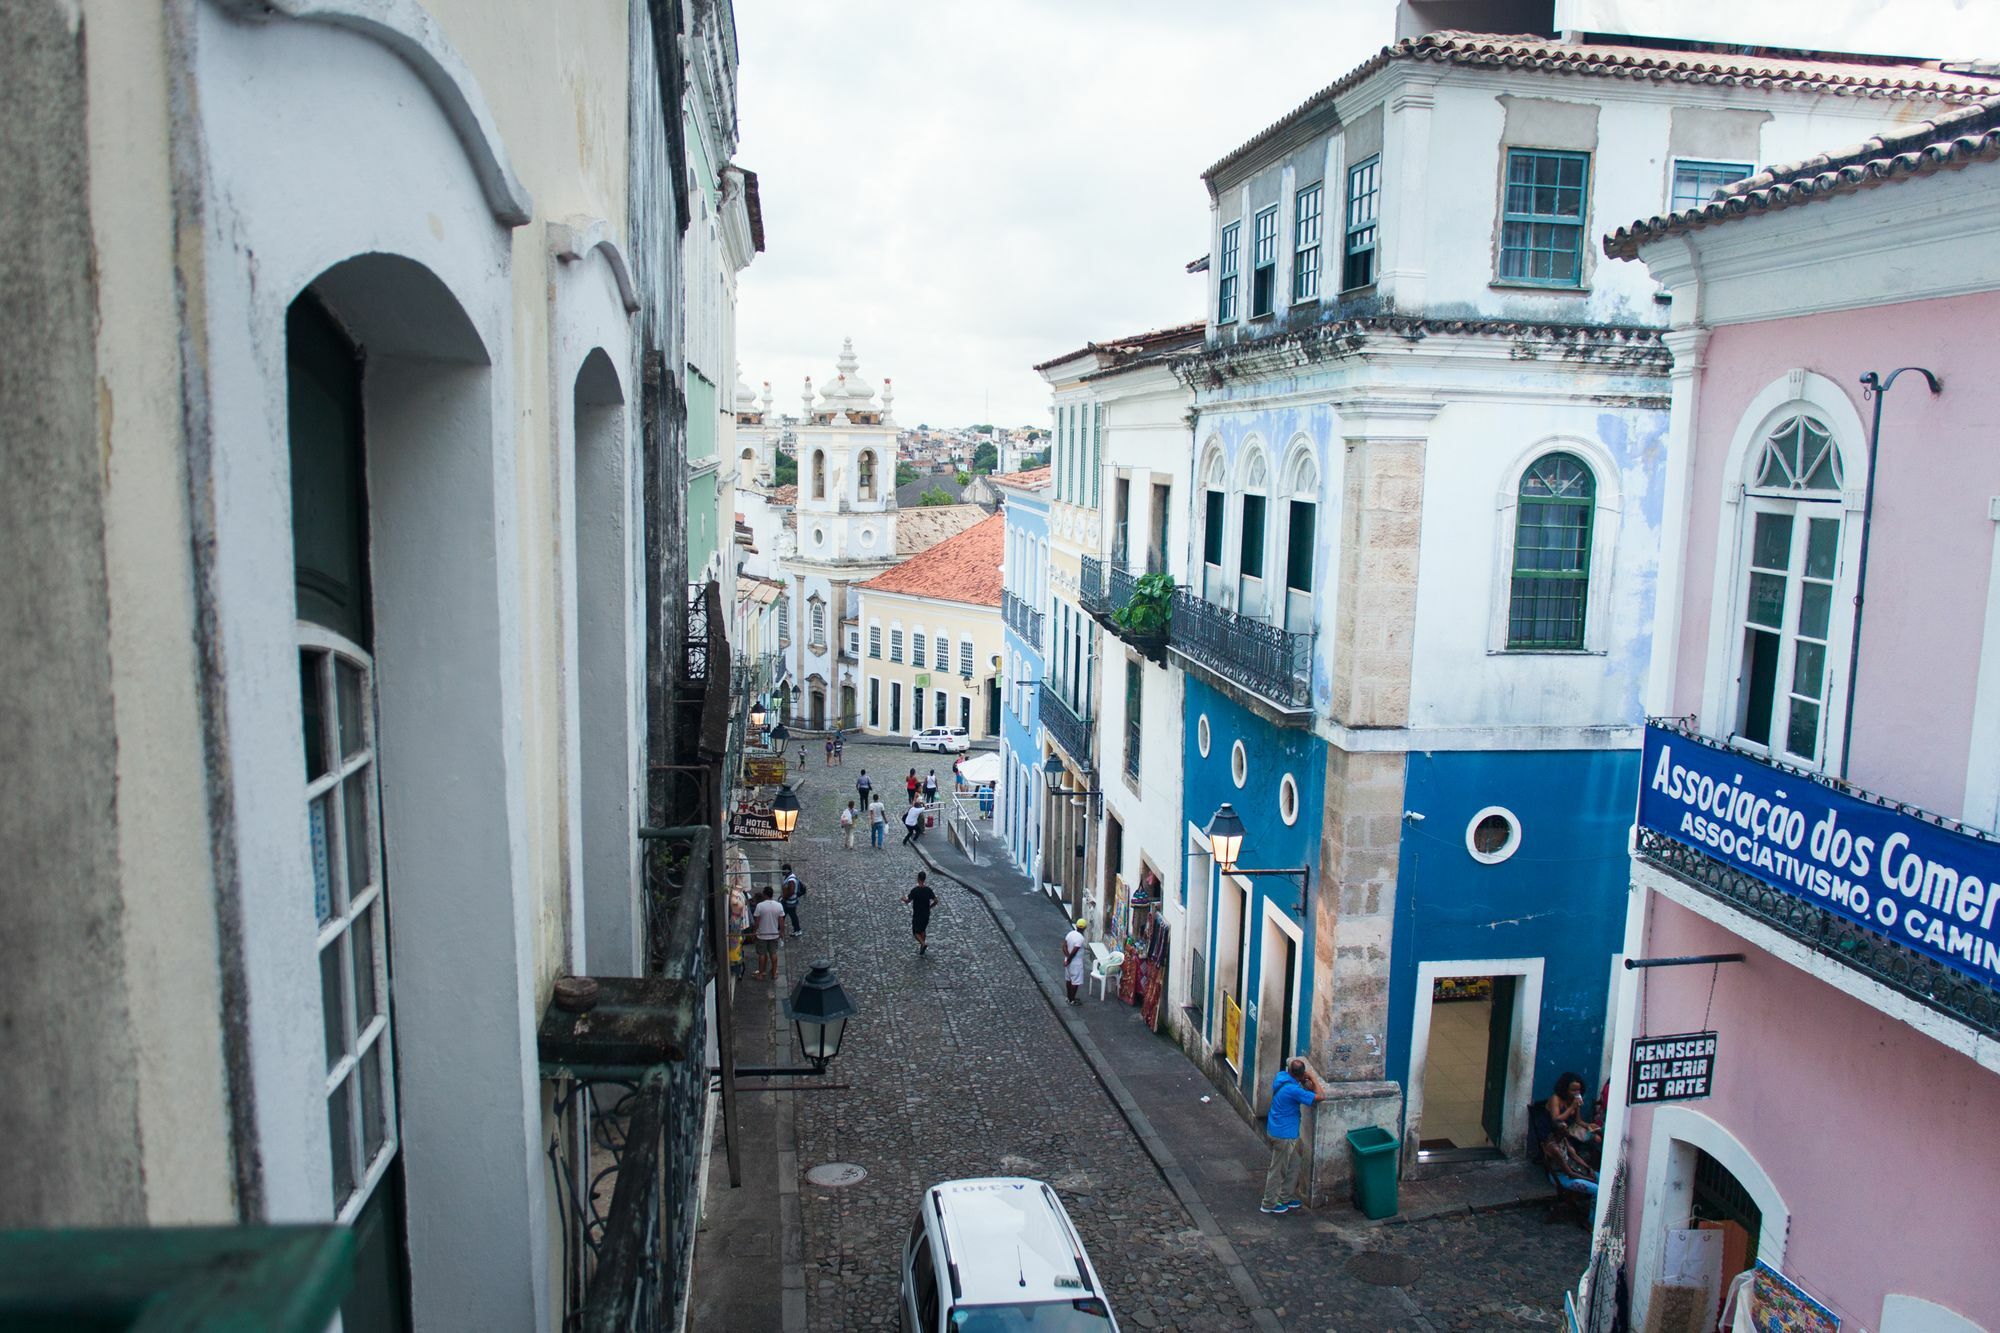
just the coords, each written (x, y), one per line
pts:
(957, 1067)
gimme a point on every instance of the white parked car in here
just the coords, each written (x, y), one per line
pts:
(999, 1255)
(949, 740)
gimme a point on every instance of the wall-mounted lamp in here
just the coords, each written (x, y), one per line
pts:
(1225, 844)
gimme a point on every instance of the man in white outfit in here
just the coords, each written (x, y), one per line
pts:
(1073, 947)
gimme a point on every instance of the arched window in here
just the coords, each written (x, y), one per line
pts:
(1253, 516)
(1791, 563)
(1301, 535)
(1214, 493)
(1551, 576)
(865, 474)
(819, 474)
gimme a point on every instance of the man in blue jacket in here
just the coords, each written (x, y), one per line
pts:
(1293, 1087)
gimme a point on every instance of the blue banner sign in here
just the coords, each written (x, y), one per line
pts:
(1926, 887)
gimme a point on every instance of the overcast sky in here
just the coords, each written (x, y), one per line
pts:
(966, 188)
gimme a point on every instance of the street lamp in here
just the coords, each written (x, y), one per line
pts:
(819, 1010)
(778, 736)
(757, 715)
(1225, 843)
(785, 811)
(1052, 776)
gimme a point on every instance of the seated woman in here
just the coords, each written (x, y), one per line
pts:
(1571, 1122)
(1570, 1170)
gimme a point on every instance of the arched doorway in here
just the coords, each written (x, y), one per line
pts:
(847, 706)
(816, 706)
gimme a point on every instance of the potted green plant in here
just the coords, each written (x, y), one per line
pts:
(1150, 614)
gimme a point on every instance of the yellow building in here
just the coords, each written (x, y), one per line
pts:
(930, 630)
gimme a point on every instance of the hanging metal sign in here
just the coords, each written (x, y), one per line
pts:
(763, 770)
(754, 826)
(1679, 1068)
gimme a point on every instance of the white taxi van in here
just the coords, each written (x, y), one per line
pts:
(999, 1255)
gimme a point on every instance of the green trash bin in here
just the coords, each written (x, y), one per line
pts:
(1374, 1151)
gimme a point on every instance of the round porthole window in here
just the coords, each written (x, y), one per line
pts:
(1239, 763)
(867, 536)
(819, 536)
(1493, 835)
(1201, 735)
(1288, 799)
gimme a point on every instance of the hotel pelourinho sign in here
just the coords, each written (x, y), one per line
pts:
(1929, 887)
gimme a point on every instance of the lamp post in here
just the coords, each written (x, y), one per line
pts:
(818, 1010)
(757, 715)
(785, 811)
(777, 736)
(1225, 844)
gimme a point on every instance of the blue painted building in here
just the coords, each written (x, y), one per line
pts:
(1024, 592)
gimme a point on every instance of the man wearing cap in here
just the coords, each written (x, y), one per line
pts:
(1073, 944)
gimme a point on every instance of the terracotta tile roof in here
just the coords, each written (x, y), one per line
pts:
(965, 568)
(1970, 134)
(1032, 480)
(923, 527)
(1854, 77)
(1133, 345)
(785, 495)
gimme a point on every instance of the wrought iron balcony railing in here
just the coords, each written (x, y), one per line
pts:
(1022, 618)
(1260, 658)
(1122, 585)
(1090, 587)
(1878, 957)
(1065, 728)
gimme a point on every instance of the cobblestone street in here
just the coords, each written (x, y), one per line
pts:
(958, 1066)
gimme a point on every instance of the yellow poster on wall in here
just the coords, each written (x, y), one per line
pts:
(1232, 1031)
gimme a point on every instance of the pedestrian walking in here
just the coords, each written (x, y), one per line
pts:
(847, 818)
(913, 824)
(839, 747)
(878, 822)
(921, 899)
(910, 784)
(829, 752)
(1293, 1087)
(930, 787)
(1073, 946)
(769, 929)
(790, 893)
(863, 785)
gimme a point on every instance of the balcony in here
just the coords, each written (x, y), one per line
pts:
(1023, 619)
(1064, 727)
(1829, 934)
(1261, 659)
(1090, 588)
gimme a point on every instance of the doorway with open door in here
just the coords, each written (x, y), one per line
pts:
(1466, 1057)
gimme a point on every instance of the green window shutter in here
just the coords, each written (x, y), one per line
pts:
(1551, 575)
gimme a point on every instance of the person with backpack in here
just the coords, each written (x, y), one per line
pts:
(790, 893)
(847, 818)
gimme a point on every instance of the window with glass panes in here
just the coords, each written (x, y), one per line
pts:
(943, 656)
(918, 656)
(1364, 199)
(1096, 455)
(1792, 506)
(1264, 262)
(1134, 706)
(965, 657)
(1695, 183)
(1225, 279)
(337, 706)
(874, 640)
(1541, 226)
(1305, 244)
(895, 645)
(1553, 514)
(818, 621)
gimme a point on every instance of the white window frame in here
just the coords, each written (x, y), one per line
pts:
(966, 662)
(1605, 523)
(1674, 174)
(1797, 391)
(875, 640)
(896, 642)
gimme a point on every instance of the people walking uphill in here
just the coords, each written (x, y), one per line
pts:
(930, 787)
(1292, 1087)
(864, 785)
(770, 928)
(921, 899)
(1073, 946)
(790, 892)
(878, 822)
(847, 818)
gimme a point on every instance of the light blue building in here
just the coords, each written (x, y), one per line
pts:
(1024, 592)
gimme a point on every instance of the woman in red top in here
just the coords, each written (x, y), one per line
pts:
(910, 784)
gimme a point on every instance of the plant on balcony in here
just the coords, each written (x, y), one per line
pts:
(1150, 613)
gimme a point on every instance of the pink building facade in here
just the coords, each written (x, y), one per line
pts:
(1825, 815)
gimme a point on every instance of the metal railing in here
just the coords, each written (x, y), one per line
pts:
(1090, 587)
(1120, 590)
(1261, 658)
(694, 668)
(1065, 728)
(1023, 619)
(1877, 957)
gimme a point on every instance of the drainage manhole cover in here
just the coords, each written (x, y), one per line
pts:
(1384, 1270)
(833, 1175)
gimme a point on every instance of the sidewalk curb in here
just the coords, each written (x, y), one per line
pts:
(1261, 1314)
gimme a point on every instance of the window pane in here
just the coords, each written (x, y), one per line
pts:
(340, 1131)
(362, 947)
(1760, 652)
(314, 719)
(1767, 600)
(360, 858)
(1211, 541)
(1252, 548)
(1771, 544)
(1808, 669)
(374, 1126)
(353, 729)
(918, 655)
(1822, 544)
(1299, 552)
(318, 815)
(1802, 735)
(333, 1005)
(1815, 605)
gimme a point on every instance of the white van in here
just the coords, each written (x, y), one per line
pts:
(999, 1255)
(942, 740)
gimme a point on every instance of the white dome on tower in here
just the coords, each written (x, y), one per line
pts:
(847, 391)
(746, 400)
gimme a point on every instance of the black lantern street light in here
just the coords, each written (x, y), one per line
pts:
(777, 736)
(819, 1010)
(1225, 844)
(757, 714)
(1052, 776)
(785, 811)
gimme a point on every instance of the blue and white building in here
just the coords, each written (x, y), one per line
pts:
(1024, 498)
(1430, 432)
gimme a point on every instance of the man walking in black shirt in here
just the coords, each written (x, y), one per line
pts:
(921, 899)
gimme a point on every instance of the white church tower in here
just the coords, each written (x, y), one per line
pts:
(846, 516)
